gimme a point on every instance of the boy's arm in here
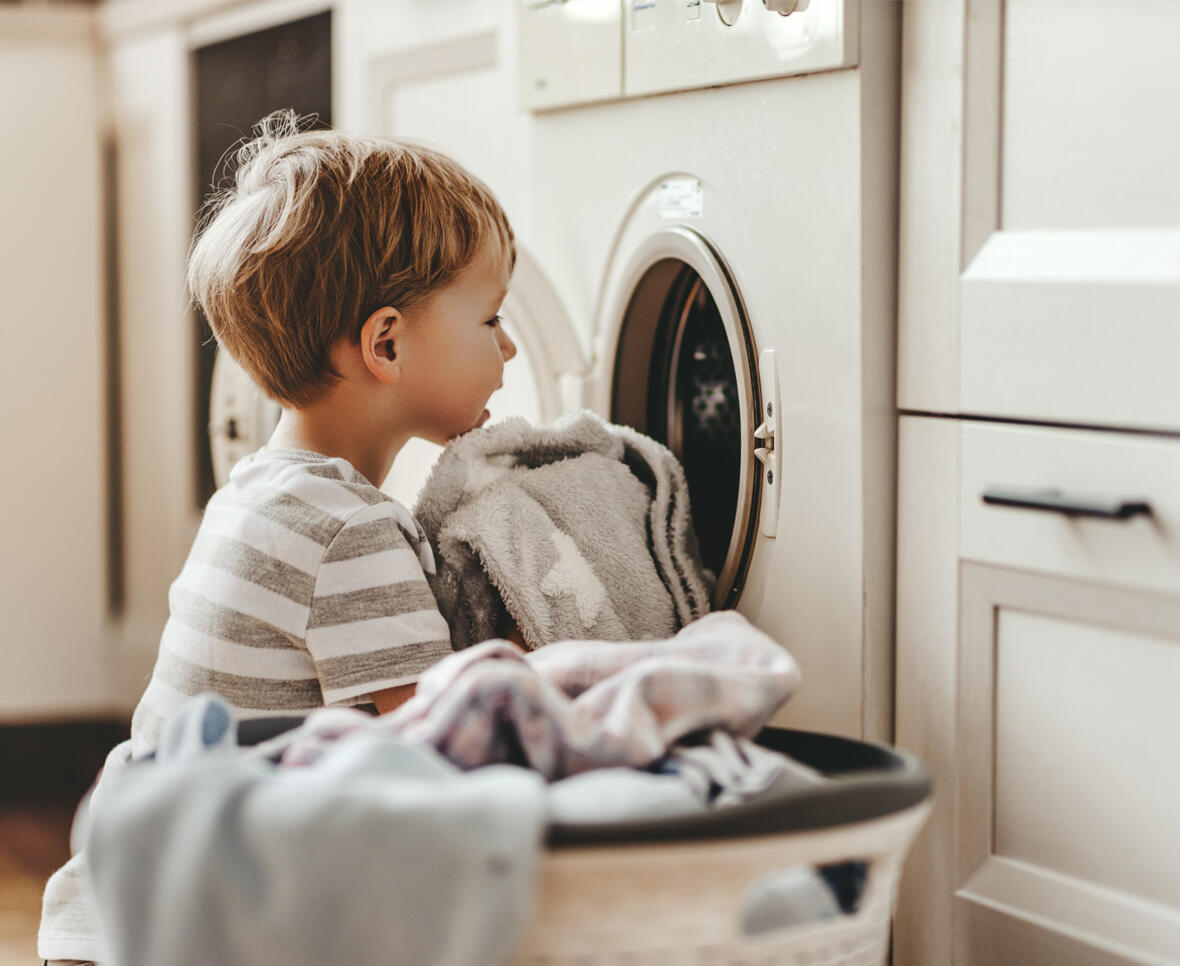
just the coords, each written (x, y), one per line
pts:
(390, 699)
(373, 619)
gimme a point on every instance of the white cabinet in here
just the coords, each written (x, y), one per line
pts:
(55, 643)
(1038, 662)
(1040, 271)
(1038, 651)
(1066, 721)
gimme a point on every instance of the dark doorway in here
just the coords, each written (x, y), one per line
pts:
(238, 82)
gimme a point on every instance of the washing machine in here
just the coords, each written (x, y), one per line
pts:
(704, 196)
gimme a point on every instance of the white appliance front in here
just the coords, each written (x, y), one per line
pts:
(686, 260)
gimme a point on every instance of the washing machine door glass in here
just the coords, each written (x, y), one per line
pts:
(684, 375)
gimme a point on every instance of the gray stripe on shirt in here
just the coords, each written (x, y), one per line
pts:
(242, 560)
(203, 615)
(365, 538)
(388, 600)
(358, 669)
(300, 517)
(273, 694)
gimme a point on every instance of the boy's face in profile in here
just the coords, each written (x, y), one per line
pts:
(454, 349)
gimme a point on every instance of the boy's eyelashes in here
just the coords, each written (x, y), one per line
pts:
(494, 320)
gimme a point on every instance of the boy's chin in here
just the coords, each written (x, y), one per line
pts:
(483, 418)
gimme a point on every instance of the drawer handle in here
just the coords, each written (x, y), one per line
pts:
(1071, 506)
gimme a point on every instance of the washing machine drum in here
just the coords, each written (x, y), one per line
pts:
(684, 374)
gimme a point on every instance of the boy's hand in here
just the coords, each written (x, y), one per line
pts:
(516, 638)
(391, 699)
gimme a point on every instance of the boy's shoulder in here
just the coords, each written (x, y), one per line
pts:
(311, 495)
(285, 468)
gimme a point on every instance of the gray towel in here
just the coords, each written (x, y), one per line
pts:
(579, 530)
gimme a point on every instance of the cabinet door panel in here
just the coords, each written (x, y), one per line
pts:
(1087, 726)
(1067, 795)
(1043, 181)
(1090, 91)
(1070, 309)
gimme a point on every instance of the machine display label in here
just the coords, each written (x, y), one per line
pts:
(681, 198)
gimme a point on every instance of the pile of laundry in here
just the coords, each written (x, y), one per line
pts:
(414, 837)
(578, 530)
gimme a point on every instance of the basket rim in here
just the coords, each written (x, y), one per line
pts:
(866, 781)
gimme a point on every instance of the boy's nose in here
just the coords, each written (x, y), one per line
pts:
(507, 346)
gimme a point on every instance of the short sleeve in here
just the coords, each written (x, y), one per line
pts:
(373, 621)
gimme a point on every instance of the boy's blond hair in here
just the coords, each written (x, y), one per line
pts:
(318, 231)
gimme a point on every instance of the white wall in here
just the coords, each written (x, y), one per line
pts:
(56, 652)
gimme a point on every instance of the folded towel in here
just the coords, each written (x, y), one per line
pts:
(579, 530)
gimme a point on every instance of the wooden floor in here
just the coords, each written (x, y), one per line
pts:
(34, 840)
(44, 771)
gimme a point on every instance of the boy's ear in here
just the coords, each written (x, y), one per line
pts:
(380, 336)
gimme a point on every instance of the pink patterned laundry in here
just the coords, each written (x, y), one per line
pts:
(578, 705)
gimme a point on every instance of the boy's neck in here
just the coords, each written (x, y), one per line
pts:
(332, 429)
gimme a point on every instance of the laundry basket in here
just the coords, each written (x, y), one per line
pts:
(675, 892)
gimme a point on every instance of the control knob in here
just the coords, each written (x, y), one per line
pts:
(782, 7)
(786, 7)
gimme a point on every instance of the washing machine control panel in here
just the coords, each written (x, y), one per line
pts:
(577, 51)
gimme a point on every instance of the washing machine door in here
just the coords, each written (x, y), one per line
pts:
(684, 371)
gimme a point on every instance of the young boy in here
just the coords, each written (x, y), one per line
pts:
(358, 282)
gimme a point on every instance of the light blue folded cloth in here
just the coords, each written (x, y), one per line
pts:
(380, 852)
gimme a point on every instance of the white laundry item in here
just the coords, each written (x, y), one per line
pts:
(726, 770)
(620, 795)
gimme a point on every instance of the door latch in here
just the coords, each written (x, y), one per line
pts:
(769, 454)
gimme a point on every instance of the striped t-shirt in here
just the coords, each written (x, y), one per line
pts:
(305, 586)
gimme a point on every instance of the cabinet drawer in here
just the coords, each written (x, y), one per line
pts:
(1084, 469)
